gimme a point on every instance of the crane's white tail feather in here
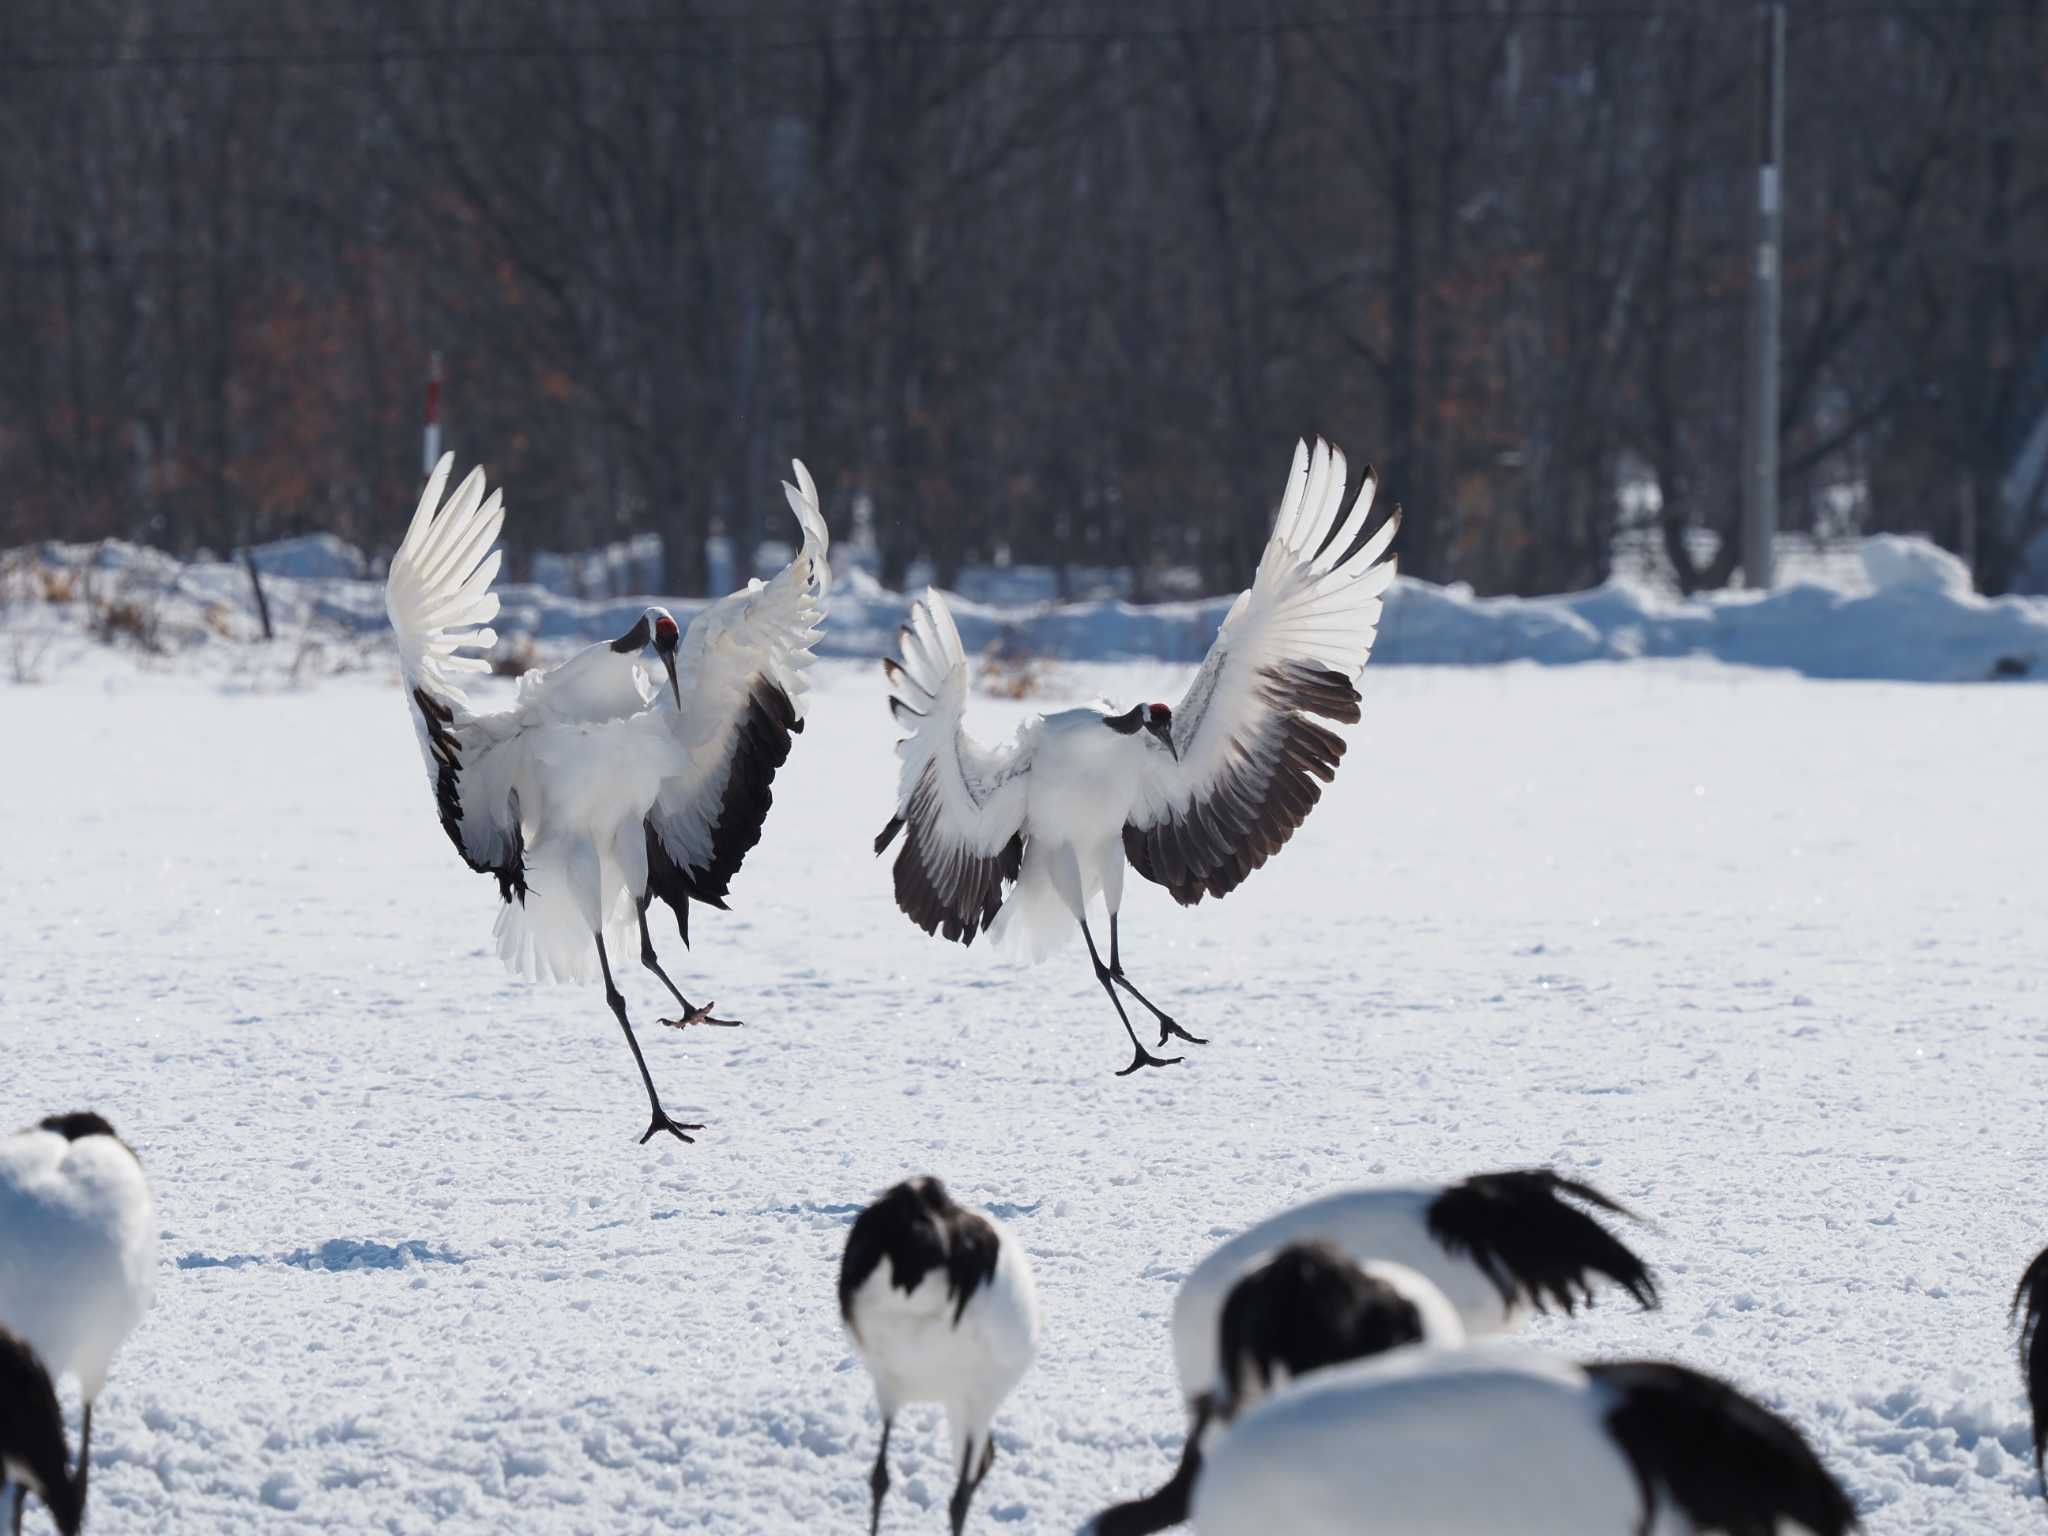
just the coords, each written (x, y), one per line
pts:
(438, 593)
(1034, 921)
(547, 937)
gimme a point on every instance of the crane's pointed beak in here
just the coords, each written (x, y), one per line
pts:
(1165, 733)
(668, 659)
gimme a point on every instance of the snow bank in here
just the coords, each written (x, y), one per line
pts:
(1902, 610)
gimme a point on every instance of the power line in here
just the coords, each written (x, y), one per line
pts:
(717, 37)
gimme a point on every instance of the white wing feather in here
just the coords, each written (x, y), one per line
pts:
(439, 599)
(1292, 645)
(962, 802)
(438, 595)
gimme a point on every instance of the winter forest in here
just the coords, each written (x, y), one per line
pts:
(1030, 281)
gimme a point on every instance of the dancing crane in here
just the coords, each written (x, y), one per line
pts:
(1194, 798)
(597, 792)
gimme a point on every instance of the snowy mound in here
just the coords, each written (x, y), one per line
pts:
(1897, 564)
(1900, 609)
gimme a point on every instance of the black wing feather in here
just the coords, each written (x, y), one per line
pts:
(1724, 1460)
(510, 872)
(958, 896)
(1252, 809)
(761, 746)
(916, 1227)
(1534, 1247)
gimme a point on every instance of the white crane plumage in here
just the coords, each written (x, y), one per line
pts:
(1193, 798)
(1495, 1247)
(1477, 1441)
(940, 1304)
(598, 791)
(78, 1248)
(1340, 1414)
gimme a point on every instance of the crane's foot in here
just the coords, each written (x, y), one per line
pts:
(700, 1016)
(661, 1122)
(1145, 1058)
(1168, 1030)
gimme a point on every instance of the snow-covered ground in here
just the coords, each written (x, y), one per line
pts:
(1761, 956)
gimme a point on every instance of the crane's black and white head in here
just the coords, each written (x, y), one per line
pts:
(1155, 720)
(656, 627)
(1310, 1306)
(32, 1450)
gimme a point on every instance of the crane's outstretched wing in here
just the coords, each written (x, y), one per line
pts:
(962, 802)
(1292, 646)
(439, 598)
(742, 666)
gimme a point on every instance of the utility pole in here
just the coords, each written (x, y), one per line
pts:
(1766, 277)
(430, 429)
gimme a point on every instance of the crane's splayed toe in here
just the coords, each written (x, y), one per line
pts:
(1170, 1030)
(701, 1016)
(1145, 1058)
(661, 1122)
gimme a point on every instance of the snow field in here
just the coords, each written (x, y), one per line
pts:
(1760, 956)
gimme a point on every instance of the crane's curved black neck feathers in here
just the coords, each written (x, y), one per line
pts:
(1534, 1247)
(1169, 1504)
(2030, 1306)
(32, 1431)
(916, 1228)
(635, 639)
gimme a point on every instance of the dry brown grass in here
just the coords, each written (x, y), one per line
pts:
(514, 657)
(129, 613)
(1007, 670)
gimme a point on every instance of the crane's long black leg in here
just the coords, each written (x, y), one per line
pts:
(690, 1015)
(1143, 1058)
(1167, 1028)
(661, 1121)
(965, 1489)
(20, 1498)
(878, 1480)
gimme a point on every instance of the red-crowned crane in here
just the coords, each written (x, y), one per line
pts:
(1194, 797)
(939, 1302)
(601, 789)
